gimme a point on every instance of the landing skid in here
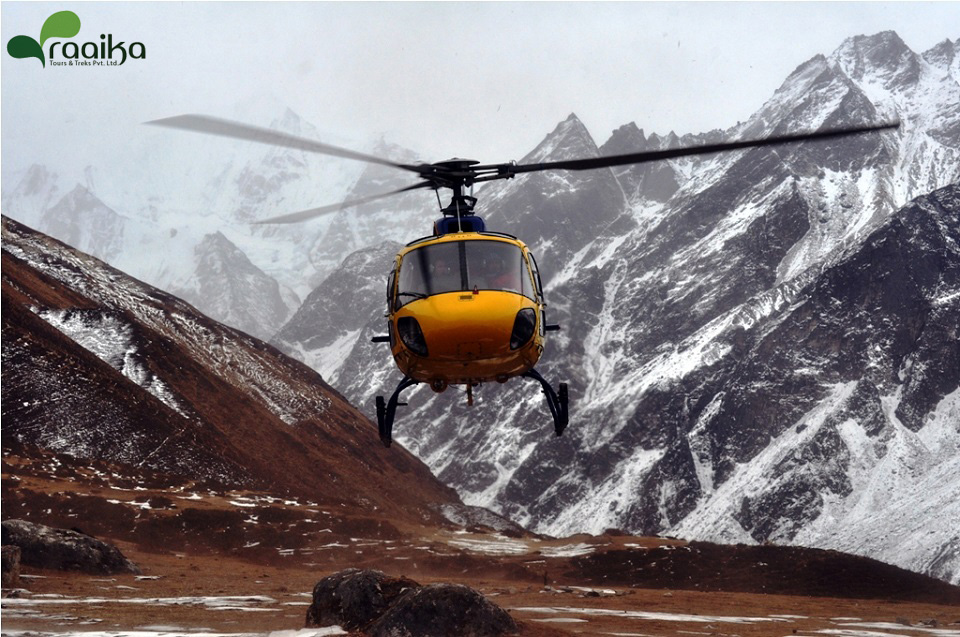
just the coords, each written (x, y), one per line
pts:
(387, 411)
(556, 401)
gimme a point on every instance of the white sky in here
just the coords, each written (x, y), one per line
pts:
(482, 80)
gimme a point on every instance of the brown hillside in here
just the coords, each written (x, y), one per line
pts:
(175, 391)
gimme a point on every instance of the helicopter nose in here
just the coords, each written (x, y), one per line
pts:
(468, 325)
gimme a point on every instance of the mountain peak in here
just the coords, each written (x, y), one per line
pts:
(79, 191)
(629, 138)
(289, 122)
(885, 40)
(217, 238)
(37, 178)
(944, 54)
(395, 152)
(80, 199)
(882, 57)
(570, 139)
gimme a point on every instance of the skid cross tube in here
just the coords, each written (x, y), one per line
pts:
(387, 411)
(556, 401)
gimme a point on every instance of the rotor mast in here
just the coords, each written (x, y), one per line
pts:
(456, 174)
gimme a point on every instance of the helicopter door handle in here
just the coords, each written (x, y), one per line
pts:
(551, 328)
(380, 339)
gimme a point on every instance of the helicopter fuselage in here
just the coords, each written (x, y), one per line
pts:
(465, 308)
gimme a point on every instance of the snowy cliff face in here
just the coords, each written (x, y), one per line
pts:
(225, 282)
(557, 213)
(750, 338)
(859, 450)
(331, 331)
(655, 182)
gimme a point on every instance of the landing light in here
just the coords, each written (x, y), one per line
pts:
(412, 335)
(523, 327)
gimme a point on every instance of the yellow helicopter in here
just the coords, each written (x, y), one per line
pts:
(465, 306)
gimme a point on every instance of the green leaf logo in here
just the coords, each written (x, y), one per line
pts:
(62, 24)
(23, 46)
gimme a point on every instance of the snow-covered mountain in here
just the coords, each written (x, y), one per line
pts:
(760, 345)
(84, 221)
(371, 224)
(152, 209)
(227, 285)
(558, 212)
(329, 331)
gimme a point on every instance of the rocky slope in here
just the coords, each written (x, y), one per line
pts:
(101, 366)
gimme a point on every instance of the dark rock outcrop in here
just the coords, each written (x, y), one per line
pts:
(440, 610)
(383, 606)
(353, 598)
(64, 550)
(11, 566)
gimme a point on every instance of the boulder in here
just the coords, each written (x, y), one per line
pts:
(11, 566)
(64, 550)
(440, 610)
(353, 598)
(382, 606)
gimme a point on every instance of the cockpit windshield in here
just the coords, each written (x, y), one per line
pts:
(456, 266)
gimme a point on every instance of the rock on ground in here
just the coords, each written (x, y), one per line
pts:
(384, 606)
(440, 610)
(353, 598)
(11, 566)
(64, 550)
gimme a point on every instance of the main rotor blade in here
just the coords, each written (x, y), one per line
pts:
(303, 215)
(236, 130)
(674, 153)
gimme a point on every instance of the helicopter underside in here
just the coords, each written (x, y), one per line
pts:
(468, 338)
(484, 370)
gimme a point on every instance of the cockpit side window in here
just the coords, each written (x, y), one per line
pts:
(536, 275)
(391, 281)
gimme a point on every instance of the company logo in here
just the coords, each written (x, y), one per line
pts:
(66, 24)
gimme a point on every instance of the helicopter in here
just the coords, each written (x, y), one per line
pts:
(465, 305)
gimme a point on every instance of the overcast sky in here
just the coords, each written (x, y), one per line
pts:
(481, 80)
